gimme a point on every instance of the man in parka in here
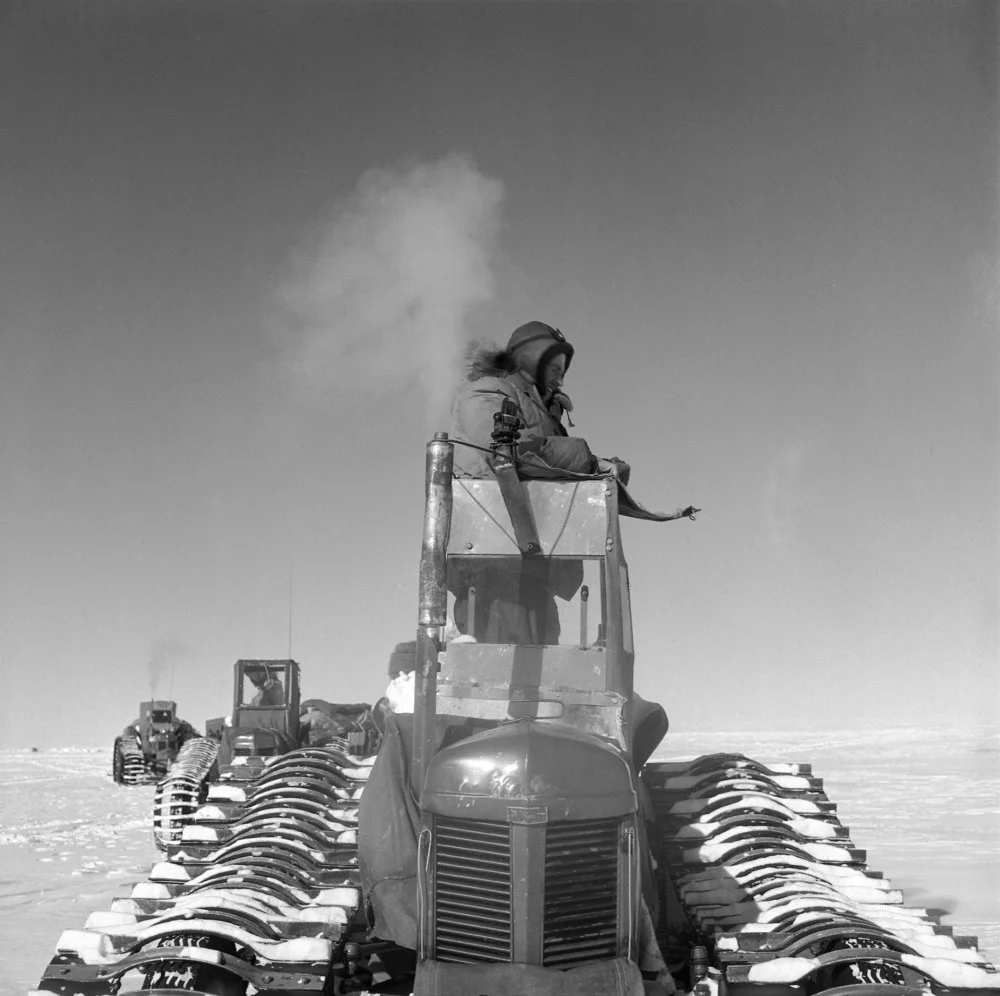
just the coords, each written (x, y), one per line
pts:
(516, 602)
(529, 371)
(515, 598)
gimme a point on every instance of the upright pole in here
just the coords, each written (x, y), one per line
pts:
(433, 611)
(291, 585)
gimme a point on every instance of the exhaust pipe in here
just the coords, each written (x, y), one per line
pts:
(433, 612)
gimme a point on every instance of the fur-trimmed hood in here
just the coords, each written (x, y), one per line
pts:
(530, 348)
(487, 359)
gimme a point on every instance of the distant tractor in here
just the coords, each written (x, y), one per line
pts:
(267, 720)
(268, 717)
(148, 745)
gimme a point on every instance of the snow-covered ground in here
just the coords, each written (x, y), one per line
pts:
(71, 840)
(925, 805)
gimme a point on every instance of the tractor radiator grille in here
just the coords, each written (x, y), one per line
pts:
(472, 890)
(581, 892)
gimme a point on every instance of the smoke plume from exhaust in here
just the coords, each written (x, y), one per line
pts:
(164, 655)
(380, 304)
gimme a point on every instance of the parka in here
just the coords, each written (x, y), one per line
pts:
(519, 606)
(544, 449)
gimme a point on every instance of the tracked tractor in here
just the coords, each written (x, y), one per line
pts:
(266, 721)
(147, 746)
(515, 836)
(512, 837)
(532, 868)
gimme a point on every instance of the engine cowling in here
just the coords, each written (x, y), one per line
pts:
(529, 849)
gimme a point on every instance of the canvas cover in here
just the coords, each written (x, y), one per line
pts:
(389, 824)
(324, 722)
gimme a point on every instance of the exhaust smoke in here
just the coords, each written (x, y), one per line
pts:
(380, 304)
(164, 654)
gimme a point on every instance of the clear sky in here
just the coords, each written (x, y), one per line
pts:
(242, 243)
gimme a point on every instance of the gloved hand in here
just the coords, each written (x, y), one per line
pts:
(561, 402)
(621, 470)
(624, 470)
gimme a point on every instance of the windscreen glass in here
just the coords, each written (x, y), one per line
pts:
(541, 601)
(161, 716)
(262, 687)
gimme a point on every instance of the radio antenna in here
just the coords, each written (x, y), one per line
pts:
(291, 585)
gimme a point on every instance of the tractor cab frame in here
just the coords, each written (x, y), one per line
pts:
(530, 860)
(265, 717)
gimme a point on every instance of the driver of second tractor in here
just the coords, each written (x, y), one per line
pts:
(269, 690)
(515, 602)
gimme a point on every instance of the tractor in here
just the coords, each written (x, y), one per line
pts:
(147, 746)
(513, 836)
(266, 721)
(524, 862)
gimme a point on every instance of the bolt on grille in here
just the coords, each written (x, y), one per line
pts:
(472, 889)
(581, 892)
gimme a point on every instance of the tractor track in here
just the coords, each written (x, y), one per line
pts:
(760, 871)
(258, 890)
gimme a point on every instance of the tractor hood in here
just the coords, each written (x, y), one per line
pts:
(530, 771)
